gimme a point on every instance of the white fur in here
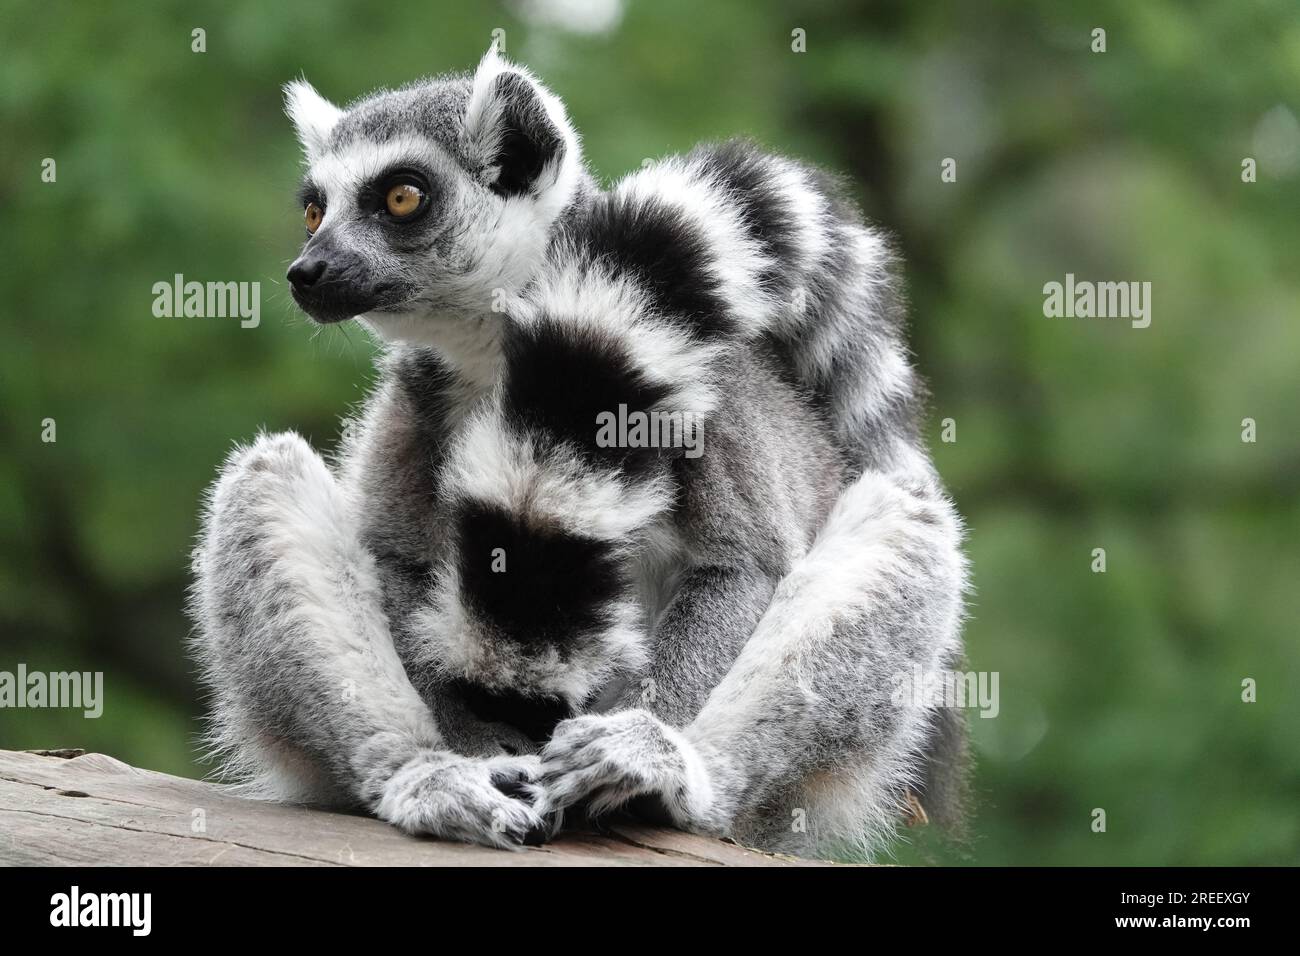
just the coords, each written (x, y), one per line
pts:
(491, 464)
(472, 345)
(501, 241)
(341, 171)
(313, 116)
(281, 488)
(875, 588)
(444, 795)
(806, 211)
(458, 644)
(737, 260)
(614, 757)
(483, 125)
(586, 295)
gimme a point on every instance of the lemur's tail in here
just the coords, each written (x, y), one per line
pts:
(816, 281)
(730, 245)
(610, 369)
(945, 782)
(682, 261)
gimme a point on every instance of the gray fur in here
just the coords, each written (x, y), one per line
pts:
(791, 573)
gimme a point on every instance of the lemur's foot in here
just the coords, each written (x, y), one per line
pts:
(488, 801)
(608, 759)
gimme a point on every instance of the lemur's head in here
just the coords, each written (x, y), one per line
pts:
(427, 203)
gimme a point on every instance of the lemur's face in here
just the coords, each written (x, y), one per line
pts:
(431, 202)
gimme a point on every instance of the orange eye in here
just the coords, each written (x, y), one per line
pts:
(313, 217)
(403, 199)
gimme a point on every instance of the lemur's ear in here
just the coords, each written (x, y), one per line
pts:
(517, 133)
(313, 116)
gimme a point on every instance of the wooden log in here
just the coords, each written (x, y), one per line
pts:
(66, 807)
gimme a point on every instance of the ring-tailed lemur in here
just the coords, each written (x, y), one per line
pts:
(720, 634)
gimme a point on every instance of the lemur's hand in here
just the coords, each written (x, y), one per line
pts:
(608, 759)
(478, 800)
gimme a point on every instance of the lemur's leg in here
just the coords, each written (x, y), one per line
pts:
(879, 593)
(697, 638)
(311, 701)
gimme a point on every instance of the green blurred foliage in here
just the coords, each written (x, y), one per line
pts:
(1118, 690)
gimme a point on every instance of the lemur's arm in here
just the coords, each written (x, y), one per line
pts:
(311, 700)
(696, 640)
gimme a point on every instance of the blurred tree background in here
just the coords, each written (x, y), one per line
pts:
(1119, 691)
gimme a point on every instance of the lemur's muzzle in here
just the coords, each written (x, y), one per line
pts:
(331, 285)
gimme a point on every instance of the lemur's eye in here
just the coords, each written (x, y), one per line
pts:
(313, 216)
(403, 199)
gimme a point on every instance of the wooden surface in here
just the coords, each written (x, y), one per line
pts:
(70, 808)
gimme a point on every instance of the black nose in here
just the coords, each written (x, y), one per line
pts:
(305, 273)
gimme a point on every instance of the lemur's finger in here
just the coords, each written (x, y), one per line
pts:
(515, 789)
(507, 823)
(565, 789)
(550, 826)
(572, 734)
(514, 776)
(567, 758)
